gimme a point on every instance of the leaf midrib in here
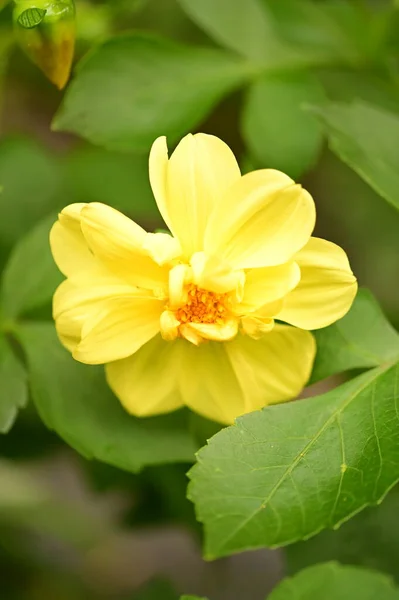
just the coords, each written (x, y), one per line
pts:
(375, 374)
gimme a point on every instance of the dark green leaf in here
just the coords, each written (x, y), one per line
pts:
(13, 388)
(284, 33)
(287, 472)
(363, 338)
(32, 17)
(278, 132)
(343, 85)
(118, 180)
(370, 539)
(333, 31)
(30, 277)
(331, 581)
(30, 180)
(74, 400)
(366, 138)
(246, 28)
(136, 87)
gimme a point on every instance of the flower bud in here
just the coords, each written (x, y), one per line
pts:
(46, 32)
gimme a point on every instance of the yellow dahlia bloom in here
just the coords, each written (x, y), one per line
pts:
(190, 318)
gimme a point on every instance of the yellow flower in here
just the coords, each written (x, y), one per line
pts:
(189, 318)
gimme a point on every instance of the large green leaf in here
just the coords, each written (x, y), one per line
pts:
(246, 28)
(331, 581)
(287, 472)
(279, 134)
(30, 277)
(30, 181)
(13, 387)
(74, 400)
(119, 180)
(363, 338)
(370, 539)
(136, 87)
(366, 138)
(284, 33)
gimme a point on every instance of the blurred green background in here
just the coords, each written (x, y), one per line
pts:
(71, 528)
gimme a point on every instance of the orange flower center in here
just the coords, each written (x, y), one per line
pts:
(203, 306)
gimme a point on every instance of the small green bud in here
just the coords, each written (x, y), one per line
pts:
(46, 32)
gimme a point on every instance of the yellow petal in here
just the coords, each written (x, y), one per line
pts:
(208, 383)
(147, 382)
(256, 327)
(82, 298)
(118, 243)
(326, 290)
(268, 284)
(274, 368)
(212, 274)
(119, 329)
(218, 333)
(162, 247)
(68, 246)
(190, 185)
(169, 325)
(262, 221)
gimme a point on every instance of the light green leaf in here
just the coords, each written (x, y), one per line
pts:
(366, 138)
(136, 87)
(30, 277)
(363, 338)
(192, 598)
(13, 388)
(74, 400)
(119, 180)
(331, 581)
(287, 472)
(30, 179)
(350, 544)
(278, 132)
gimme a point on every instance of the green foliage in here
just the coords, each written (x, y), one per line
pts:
(366, 138)
(30, 180)
(277, 131)
(150, 86)
(286, 472)
(331, 581)
(31, 276)
(349, 344)
(96, 175)
(191, 598)
(370, 539)
(74, 400)
(13, 387)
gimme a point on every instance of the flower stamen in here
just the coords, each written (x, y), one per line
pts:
(203, 306)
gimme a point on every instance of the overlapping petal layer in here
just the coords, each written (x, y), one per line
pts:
(261, 221)
(219, 381)
(326, 290)
(189, 185)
